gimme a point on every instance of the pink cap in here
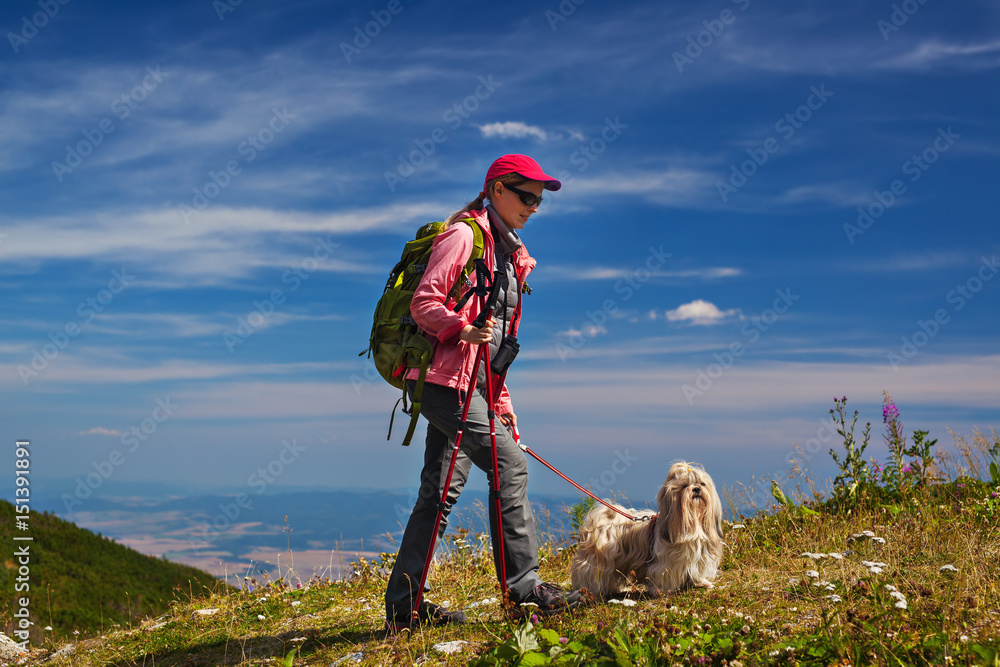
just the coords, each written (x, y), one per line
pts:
(523, 165)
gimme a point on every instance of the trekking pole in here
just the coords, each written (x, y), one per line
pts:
(527, 450)
(483, 351)
(491, 413)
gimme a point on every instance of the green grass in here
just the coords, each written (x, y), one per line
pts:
(86, 582)
(772, 605)
(763, 610)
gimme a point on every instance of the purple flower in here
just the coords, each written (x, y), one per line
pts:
(600, 624)
(563, 640)
(961, 485)
(890, 413)
(534, 618)
(994, 494)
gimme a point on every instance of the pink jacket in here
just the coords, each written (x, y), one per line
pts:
(434, 311)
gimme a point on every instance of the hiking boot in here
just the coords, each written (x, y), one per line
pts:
(427, 614)
(547, 599)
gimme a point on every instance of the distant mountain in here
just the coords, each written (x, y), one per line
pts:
(77, 579)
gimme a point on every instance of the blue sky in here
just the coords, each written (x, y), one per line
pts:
(200, 201)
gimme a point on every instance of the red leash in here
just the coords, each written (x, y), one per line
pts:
(526, 449)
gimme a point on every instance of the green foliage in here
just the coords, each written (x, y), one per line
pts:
(81, 580)
(579, 511)
(854, 473)
(785, 502)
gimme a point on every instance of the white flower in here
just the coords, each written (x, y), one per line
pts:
(296, 603)
(624, 603)
(948, 569)
(737, 526)
(48, 627)
(813, 574)
(890, 587)
(900, 604)
(875, 570)
(878, 540)
(898, 596)
(261, 617)
(812, 556)
(964, 639)
(873, 563)
(834, 598)
(836, 555)
(481, 603)
(450, 647)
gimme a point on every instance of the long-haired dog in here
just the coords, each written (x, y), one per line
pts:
(681, 547)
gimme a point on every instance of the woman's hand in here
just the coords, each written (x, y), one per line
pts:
(509, 420)
(470, 334)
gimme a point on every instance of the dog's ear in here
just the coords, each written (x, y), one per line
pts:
(718, 512)
(664, 507)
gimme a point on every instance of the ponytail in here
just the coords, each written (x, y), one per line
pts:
(479, 202)
(474, 205)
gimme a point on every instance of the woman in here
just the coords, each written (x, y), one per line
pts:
(513, 187)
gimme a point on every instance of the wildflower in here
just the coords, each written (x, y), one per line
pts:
(890, 413)
(900, 604)
(563, 640)
(296, 603)
(890, 587)
(834, 598)
(261, 617)
(897, 595)
(48, 627)
(600, 625)
(736, 526)
(964, 639)
(875, 570)
(878, 540)
(812, 556)
(813, 574)
(534, 619)
(836, 556)
(948, 569)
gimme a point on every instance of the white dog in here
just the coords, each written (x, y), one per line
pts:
(680, 547)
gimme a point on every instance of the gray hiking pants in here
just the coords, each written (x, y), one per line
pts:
(442, 407)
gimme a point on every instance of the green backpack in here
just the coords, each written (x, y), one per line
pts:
(396, 341)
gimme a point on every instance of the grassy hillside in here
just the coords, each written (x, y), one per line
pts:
(896, 565)
(82, 581)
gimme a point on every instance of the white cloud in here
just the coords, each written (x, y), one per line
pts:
(100, 431)
(933, 52)
(699, 312)
(513, 130)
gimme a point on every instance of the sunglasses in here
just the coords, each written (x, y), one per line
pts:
(527, 198)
